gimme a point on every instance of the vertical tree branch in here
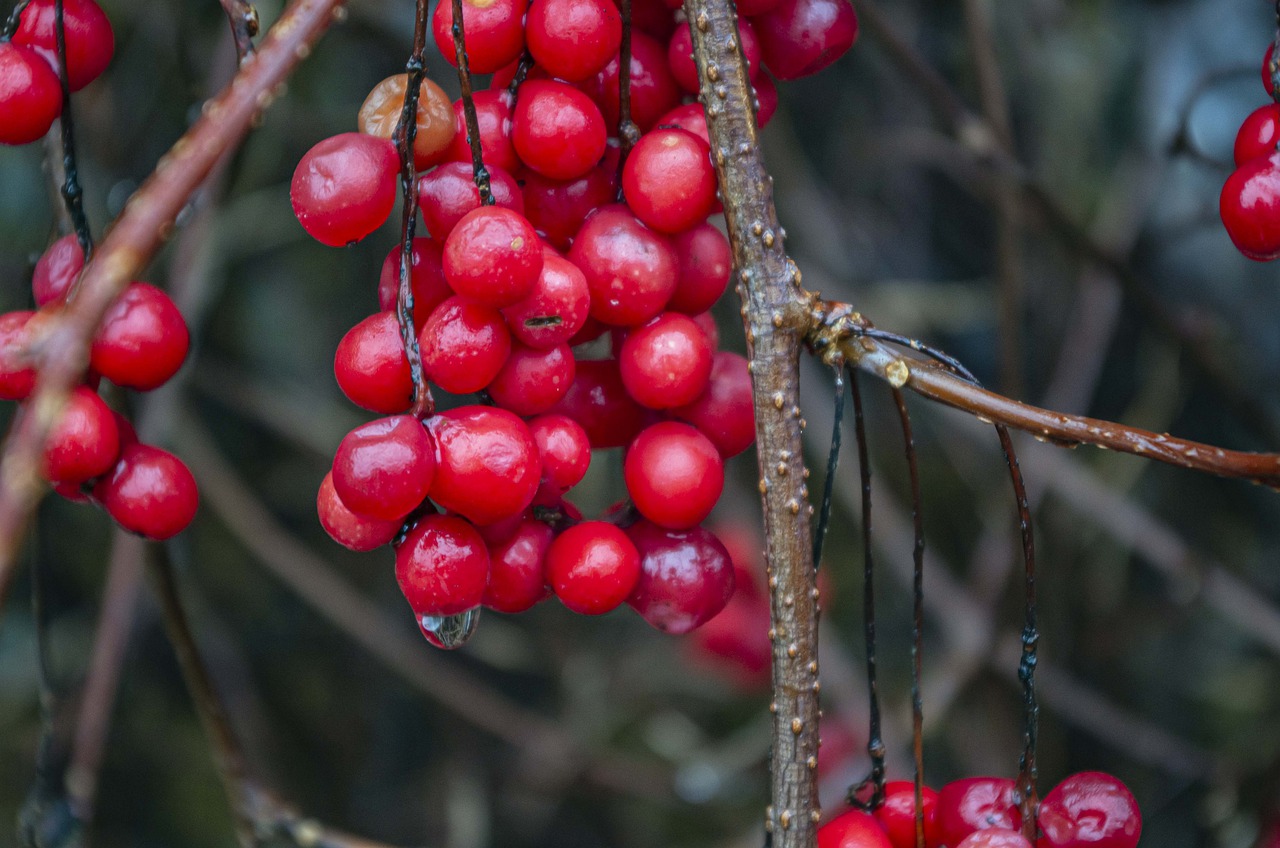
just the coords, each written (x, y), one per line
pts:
(628, 132)
(775, 314)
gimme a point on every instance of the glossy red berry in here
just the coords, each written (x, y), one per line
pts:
(463, 345)
(557, 208)
(592, 567)
(555, 310)
(976, 803)
(897, 815)
(668, 180)
(801, 37)
(17, 376)
(573, 39)
(690, 117)
(599, 402)
(1258, 134)
(564, 448)
(488, 465)
(517, 578)
(356, 532)
(666, 362)
(725, 412)
(344, 187)
(1250, 208)
(705, 264)
(1090, 810)
(493, 117)
(442, 566)
(84, 442)
(57, 270)
(996, 837)
(557, 130)
(426, 279)
(149, 491)
(143, 340)
(686, 576)
(651, 17)
(448, 193)
(493, 32)
(383, 469)
(653, 90)
(371, 367)
(680, 54)
(493, 257)
(852, 829)
(89, 39)
(630, 270)
(533, 381)
(30, 95)
(673, 474)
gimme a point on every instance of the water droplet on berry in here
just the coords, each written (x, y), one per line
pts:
(449, 632)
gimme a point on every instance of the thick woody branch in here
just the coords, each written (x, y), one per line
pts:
(775, 315)
(63, 352)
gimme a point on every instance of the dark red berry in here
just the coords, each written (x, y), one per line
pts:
(555, 310)
(371, 367)
(150, 492)
(1250, 208)
(801, 37)
(686, 576)
(573, 39)
(592, 567)
(533, 381)
(488, 465)
(1268, 81)
(680, 54)
(57, 270)
(448, 193)
(348, 529)
(426, 278)
(897, 815)
(17, 376)
(493, 116)
(493, 257)
(84, 442)
(493, 32)
(652, 17)
(30, 95)
(631, 270)
(725, 412)
(557, 208)
(1090, 810)
(344, 187)
(766, 99)
(690, 117)
(517, 578)
(852, 829)
(463, 345)
(705, 264)
(442, 566)
(673, 474)
(976, 803)
(653, 90)
(564, 448)
(89, 39)
(143, 339)
(383, 469)
(599, 402)
(1258, 134)
(666, 362)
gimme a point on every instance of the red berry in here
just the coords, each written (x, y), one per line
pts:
(852, 829)
(463, 346)
(57, 270)
(17, 376)
(736, 641)
(573, 39)
(30, 95)
(592, 567)
(751, 8)
(493, 32)
(690, 117)
(371, 367)
(766, 99)
(149, 492)
(449, 192)
(84, 442)
(383, 469)
(557, 130)
(631, 270)
(976, 803)
(665, 362)
(652, 17)
(705, 264)
(344, 187)
(1267, 79)
(996, 837)
(348, 529)
(801, 37)
(1090, 810)
(493, 117)
(488, 465)
(653, 90)
(426, 279)
(533, 381)
(1250, 208)
(516, 568)
(143, 339)
(673, 474)
(89, 39)
(555, 310)
(725, 412)
(493, 257)
(442, 566)
(897, 815)
(557, 208)
(1258, 134)
(680, 54)
(599, 402)
(564, 449)
(669, 181)
(686, 576)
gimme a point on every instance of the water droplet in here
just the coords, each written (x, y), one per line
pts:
(449, 632)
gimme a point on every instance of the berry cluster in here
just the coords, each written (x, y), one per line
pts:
(30, 91)
(92, 453)
(513, 299)
(1250, 200)
(1087, 810)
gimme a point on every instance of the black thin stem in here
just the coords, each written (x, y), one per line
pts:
(469, 107)
(833, 459)
(1275, 58)
(920, 347)
(917, 618)
(405, 134)
(875, 742)
(11, 22)
(628, 132)
(1027, 770)
(522, 73)
(72, 194)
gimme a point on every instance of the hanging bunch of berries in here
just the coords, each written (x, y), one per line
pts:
(1250, 201)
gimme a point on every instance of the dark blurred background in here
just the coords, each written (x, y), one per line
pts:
(1160, 588)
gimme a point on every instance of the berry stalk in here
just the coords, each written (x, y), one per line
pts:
(469, 106)
(72, 194)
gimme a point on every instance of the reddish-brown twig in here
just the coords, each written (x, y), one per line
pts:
(243, 18)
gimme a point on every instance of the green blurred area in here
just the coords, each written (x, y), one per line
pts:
(1159, 587)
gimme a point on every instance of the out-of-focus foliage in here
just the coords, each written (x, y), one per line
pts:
(1153, 669)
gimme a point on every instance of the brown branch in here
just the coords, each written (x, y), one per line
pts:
(471, 122)
(138, 233)
(243, 18)
(774, 315)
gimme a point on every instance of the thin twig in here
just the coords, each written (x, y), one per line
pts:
(833, 460)
(135, 237)
(628, 132)
(470, 120)
(72, 194)
(15, 18)
(242, 16)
